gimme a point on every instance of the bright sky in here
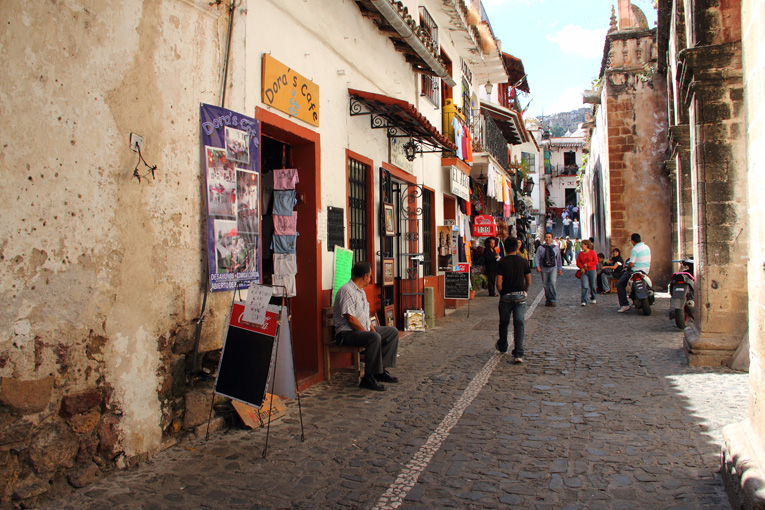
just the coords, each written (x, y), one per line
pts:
(560, 43)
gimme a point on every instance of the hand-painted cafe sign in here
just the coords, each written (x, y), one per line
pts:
(289, 92)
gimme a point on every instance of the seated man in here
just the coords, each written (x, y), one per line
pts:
(352, 327)
(602, 276)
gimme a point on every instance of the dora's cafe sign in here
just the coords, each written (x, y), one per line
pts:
(460, 184)
(289, 92)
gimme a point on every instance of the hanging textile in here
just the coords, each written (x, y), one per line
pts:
(491, 175)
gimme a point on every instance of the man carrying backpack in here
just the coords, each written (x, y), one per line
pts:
(549, 264)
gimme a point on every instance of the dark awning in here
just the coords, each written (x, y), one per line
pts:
(508, 121)
(399, 118)
(515, 72)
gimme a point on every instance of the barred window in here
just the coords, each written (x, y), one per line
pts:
(357, 209)
(427, 232)
(430, 84)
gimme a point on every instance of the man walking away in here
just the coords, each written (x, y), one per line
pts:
(550, 266)
(513, 282)
(640, 260)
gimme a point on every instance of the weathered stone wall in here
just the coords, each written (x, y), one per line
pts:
(743, 455)
(101, 275)
(636, 119)
(712, 82)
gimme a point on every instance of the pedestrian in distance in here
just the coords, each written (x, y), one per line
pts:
(587, 262)
(640, 260)
(575, 226)
(549, 264)
(513, 282)
(601, 262)
(491, 258)
(353, 327)
(569, 251)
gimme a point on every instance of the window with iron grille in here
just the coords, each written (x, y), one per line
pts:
(430, 84)
(466, 103)
(357, 209)
(427, 232)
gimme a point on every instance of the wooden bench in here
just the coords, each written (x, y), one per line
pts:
(328, 323)
(613, 284)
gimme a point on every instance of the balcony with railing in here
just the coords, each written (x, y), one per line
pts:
(493, 141)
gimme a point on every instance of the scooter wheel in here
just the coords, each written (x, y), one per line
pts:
(646, 306)
(680, 319)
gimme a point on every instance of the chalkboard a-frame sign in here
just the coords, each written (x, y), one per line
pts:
(247, 359)
(456, 285)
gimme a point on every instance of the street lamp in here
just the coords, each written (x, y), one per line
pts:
(489, 87)
(528, 186)
(410, 150)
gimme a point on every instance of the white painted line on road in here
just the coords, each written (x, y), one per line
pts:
(410, 473)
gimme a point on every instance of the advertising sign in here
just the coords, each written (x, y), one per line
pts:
(231, 165)
(484, 226)
(289, 92)
(460, 183)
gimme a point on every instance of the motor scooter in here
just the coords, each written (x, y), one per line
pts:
(681, 294)
(640, 291)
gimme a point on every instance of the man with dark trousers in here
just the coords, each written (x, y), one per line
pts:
(513, 282)
(353, 327)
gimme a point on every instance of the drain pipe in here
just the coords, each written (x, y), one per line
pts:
(391, 16)
(228, 50)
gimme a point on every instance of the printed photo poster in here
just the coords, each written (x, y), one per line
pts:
(231, 165)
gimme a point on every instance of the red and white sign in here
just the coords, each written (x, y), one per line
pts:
(267, 328)
(463, 268)
(484, 226)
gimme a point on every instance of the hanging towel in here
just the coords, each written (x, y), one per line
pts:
(284, 202)
(285, 178)
(285, 225)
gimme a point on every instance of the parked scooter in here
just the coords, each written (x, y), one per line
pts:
(640, 291)
(681, 294)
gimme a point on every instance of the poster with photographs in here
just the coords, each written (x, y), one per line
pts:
(237, 148)
(231, 165)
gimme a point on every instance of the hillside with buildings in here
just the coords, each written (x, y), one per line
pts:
(559, 123)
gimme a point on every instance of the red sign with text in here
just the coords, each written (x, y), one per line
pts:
(484, 226)
(463, 268)
(267, 328)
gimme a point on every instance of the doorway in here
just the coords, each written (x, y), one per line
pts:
(285, 144)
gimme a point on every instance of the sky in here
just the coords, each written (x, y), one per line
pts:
(560, 43)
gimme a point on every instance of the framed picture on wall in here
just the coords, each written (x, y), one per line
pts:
(387, 272)
(390, 318)
(388, 219)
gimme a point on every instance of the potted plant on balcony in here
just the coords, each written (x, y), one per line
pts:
(477, 281)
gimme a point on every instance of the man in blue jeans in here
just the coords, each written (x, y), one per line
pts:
(513, 282)
(550, 266)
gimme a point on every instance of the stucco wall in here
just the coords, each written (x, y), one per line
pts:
(101, 274)
(753, 38)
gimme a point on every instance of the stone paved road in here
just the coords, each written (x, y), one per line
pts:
(604, 414)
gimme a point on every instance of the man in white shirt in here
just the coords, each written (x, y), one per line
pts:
(353, 327)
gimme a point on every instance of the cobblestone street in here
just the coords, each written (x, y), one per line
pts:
(605, 413)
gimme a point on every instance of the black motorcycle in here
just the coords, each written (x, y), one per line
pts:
(641, 292)
(681, 294)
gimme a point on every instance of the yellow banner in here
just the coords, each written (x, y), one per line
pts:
(289, 92)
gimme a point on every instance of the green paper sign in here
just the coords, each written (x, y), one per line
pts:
(343, 264)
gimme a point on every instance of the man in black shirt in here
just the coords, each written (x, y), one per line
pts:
(513, 282)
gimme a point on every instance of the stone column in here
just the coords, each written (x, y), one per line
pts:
(711, 83)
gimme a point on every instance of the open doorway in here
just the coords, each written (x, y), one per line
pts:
(274, 154)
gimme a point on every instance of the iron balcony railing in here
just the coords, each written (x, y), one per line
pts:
(494, 142)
